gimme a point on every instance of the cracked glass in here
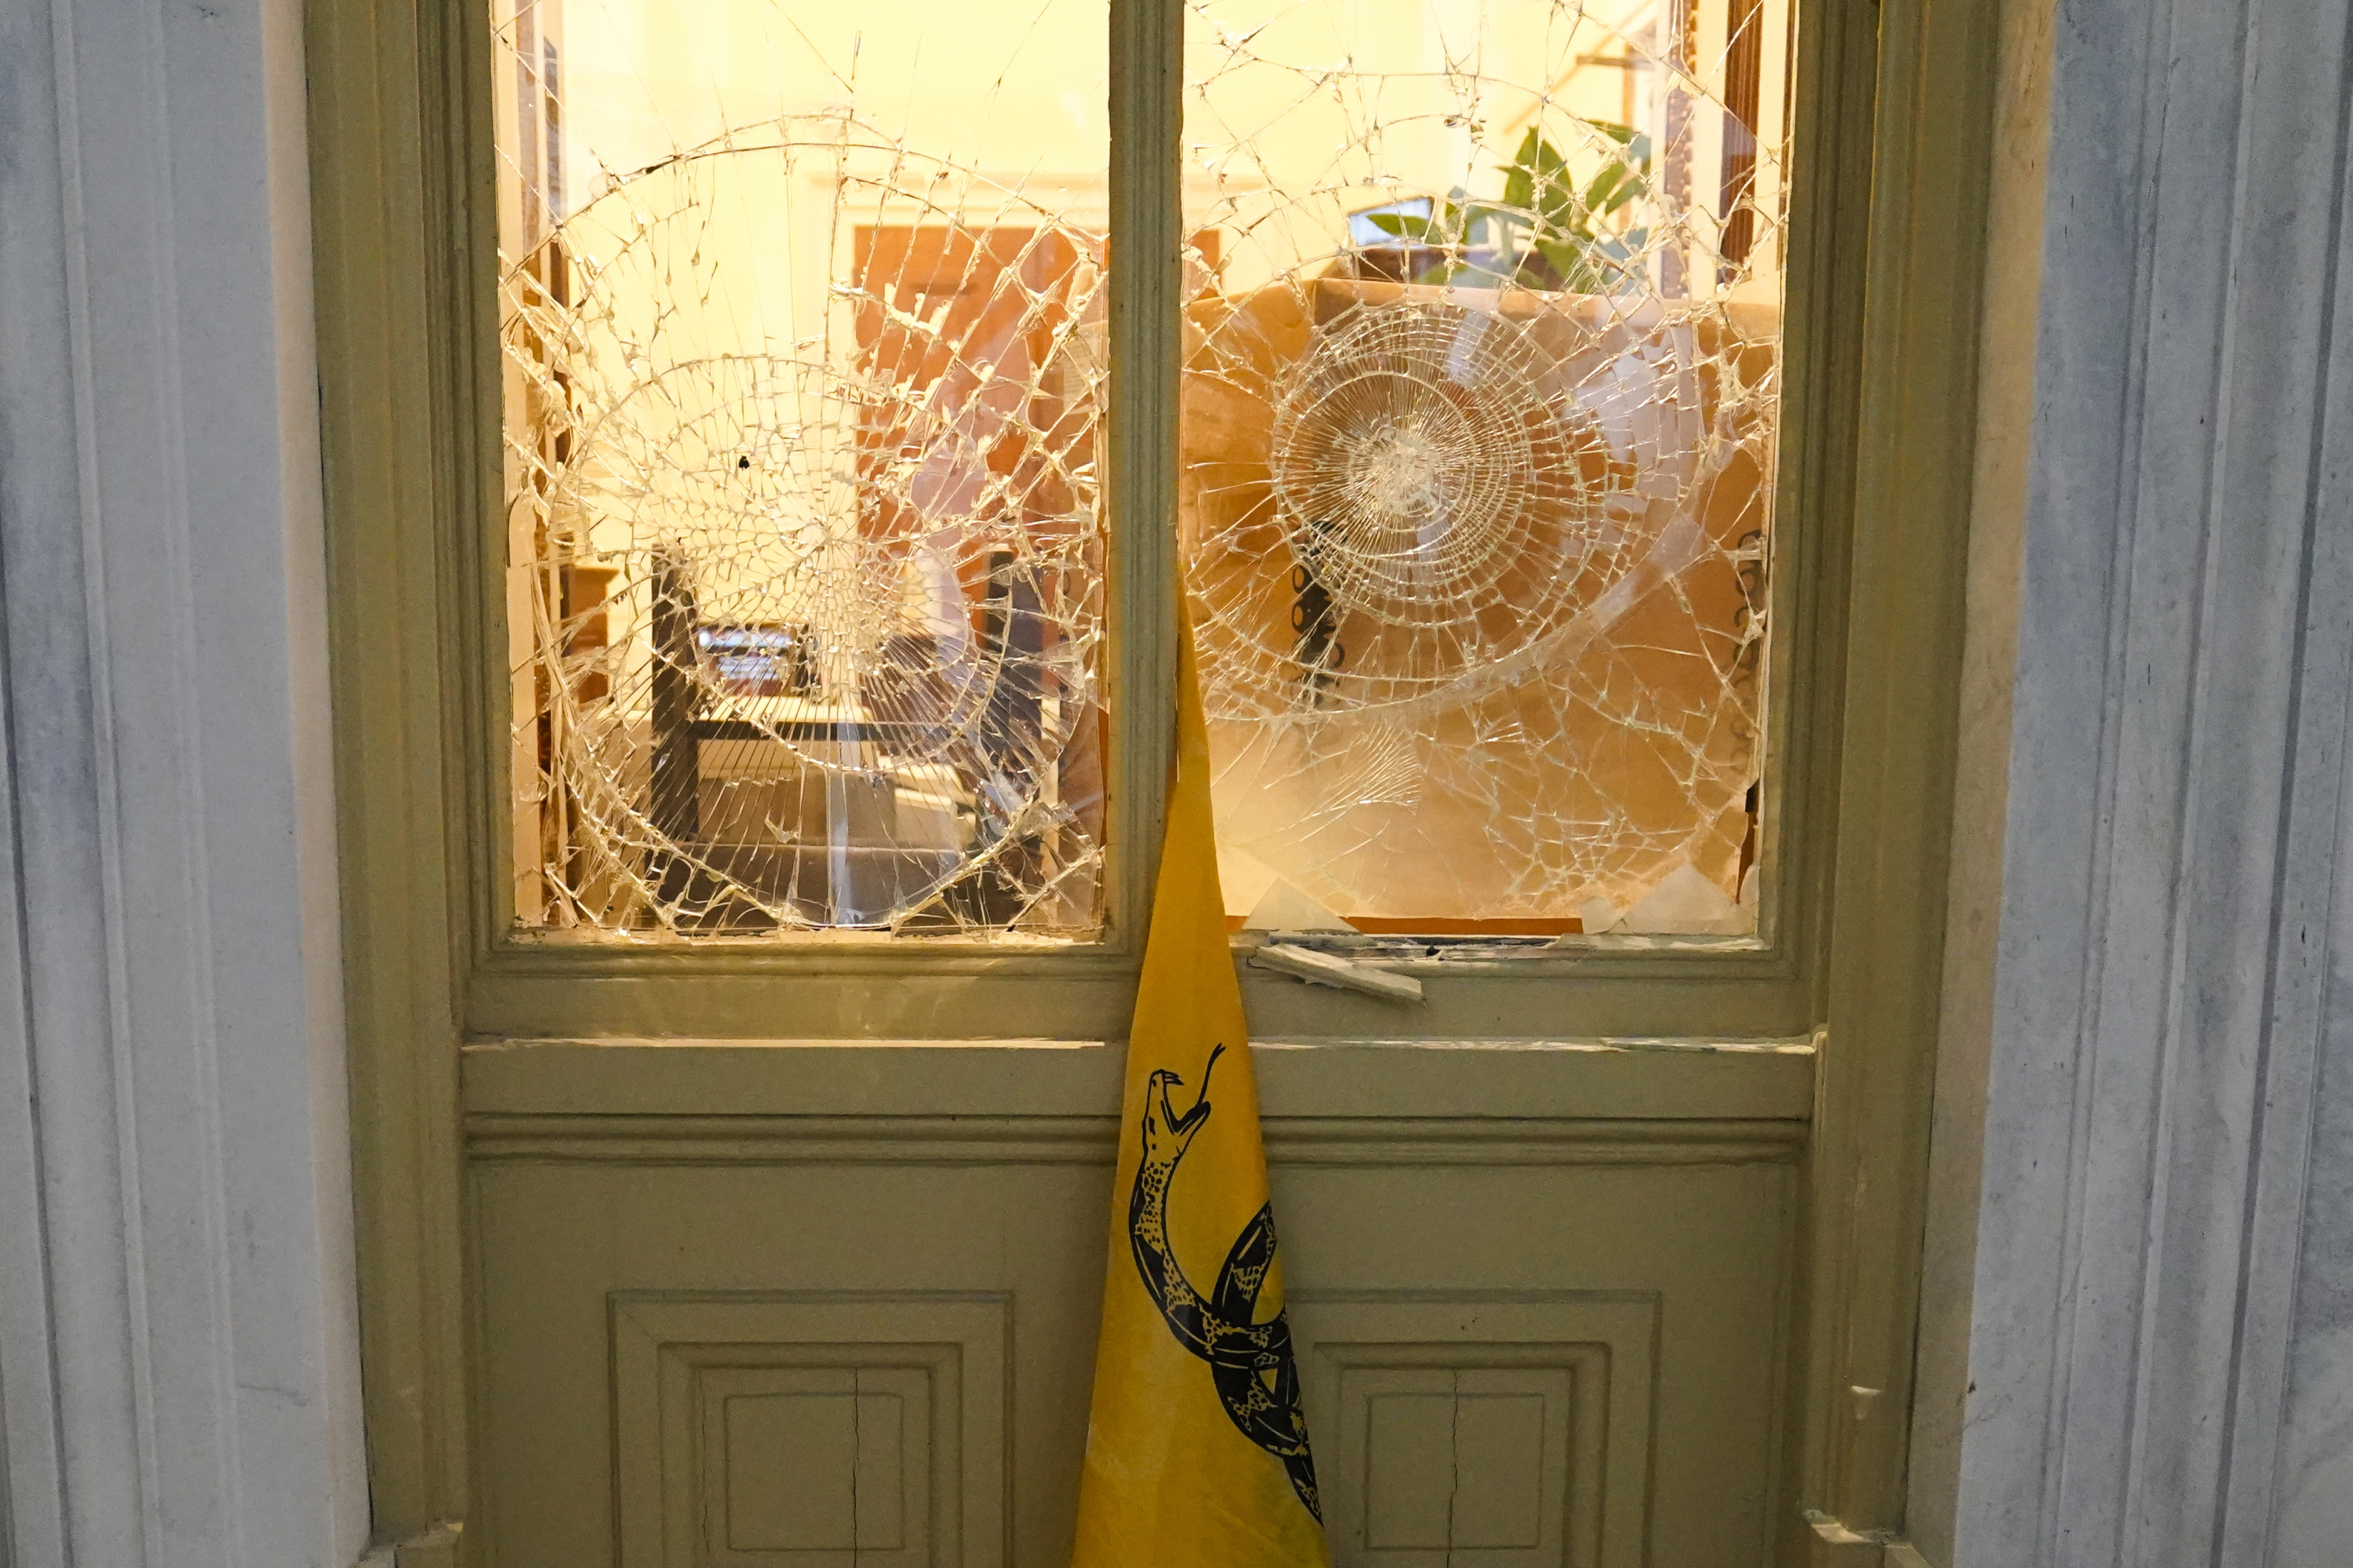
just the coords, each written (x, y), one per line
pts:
(802, 329)
(803, 334)
(1478, 409)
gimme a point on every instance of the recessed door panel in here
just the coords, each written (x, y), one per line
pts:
(836, 1338)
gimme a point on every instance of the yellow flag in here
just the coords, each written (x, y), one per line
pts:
(1196, 1451)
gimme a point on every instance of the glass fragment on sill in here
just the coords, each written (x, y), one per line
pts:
(1479, 410)
(802, 320)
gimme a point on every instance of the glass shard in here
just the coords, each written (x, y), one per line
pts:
(1480, 399)
(802, 315)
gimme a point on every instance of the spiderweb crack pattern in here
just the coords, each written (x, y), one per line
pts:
(804, 378)
(802, 481)
(1478, 428)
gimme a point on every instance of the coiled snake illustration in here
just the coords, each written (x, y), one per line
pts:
(1250, 1362)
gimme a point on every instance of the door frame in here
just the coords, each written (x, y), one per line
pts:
(1899, 105)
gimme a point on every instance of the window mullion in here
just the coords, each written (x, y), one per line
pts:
(1147, 269)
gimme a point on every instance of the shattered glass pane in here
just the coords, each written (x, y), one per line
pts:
(1480, 396)
(802, 317)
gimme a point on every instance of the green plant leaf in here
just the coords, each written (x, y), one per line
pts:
(1528, 179)
(1607, 193)
(1405, 226)
(1481, 222)
(1567, 263)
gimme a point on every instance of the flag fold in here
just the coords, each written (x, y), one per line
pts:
(1197, 1448)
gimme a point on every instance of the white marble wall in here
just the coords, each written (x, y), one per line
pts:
(2313, 1520)
(2162, 1203)
(178, 1367)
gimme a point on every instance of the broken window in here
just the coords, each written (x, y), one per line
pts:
(803, 327)
(802, 317)
(1480, 376)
